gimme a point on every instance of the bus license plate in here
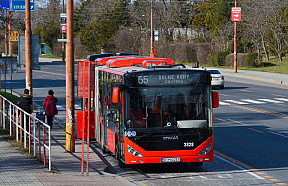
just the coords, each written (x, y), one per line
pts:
(175, 159)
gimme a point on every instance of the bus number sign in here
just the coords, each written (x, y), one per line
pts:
(143, 80)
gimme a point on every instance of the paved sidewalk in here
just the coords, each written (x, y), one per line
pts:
(19, 169)
(280, 79)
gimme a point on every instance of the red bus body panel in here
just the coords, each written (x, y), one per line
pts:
(156, 156)
(111, 140)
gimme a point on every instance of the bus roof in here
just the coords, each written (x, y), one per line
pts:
(124, 62)
(102, 61)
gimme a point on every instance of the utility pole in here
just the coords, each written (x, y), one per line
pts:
(10, 29)
(6, 32)
(70, 125)
(235, 43)
(152, 35)
(28, 48)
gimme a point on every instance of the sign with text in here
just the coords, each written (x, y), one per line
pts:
(19, 5)
(5, 4)
(236, 14)
(63, 22)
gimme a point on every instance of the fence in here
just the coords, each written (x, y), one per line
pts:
(23, 125)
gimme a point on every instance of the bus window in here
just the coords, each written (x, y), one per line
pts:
(183, 107)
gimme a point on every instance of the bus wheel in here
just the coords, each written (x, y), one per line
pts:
(196, 164)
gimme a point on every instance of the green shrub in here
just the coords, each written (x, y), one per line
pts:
(252, 59)
(218, 58)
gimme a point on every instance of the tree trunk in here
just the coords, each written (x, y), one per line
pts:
(264, 48)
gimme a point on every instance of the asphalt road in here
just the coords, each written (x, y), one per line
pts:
(250, 128)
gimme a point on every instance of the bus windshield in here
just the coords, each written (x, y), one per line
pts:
(181, 107)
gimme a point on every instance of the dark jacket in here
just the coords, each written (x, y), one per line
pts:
(25, 102)
(49, 105)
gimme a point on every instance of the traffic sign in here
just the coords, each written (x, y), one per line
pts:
(63, 18)
(19, 5)
(236, 14)
(63, 22)
(63, 28)
(62, 40)
(13, 35)
(5, 4)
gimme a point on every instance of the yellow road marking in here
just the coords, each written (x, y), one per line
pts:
(279, 95)
(255, 130)
(267, 176)
(281, 183)
(260, 172)
(261, 111)
(142, 183)
(220, 119)
(246, 91)
(223, 95)
(274, 180)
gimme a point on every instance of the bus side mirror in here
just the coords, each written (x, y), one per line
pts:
(215, 99)
(115, 95)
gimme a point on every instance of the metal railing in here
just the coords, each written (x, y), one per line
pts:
(23, 125)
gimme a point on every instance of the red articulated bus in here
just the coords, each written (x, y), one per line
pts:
(153, 111)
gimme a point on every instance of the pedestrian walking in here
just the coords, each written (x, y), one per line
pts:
(25, 102)
(49, 105)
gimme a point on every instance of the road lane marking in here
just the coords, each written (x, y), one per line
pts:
(244, 167)
(238, 122)
(223, 95)
(76, 107)
(262, 111)
(274, 180)
(237, 102)
(246, 91)
(236, 163)
(256, 130)
(223, 103)
(260, 172)
(60, 107)
(220, 119)
(277, 134)
(282, 99)
(270, 100)
(279, 95)
(252, 101)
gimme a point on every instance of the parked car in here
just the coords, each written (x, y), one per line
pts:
(217, 79)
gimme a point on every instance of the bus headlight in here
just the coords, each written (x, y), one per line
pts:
(134, 152)
(205, 150)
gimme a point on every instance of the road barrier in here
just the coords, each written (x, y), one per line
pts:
(23, 125)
